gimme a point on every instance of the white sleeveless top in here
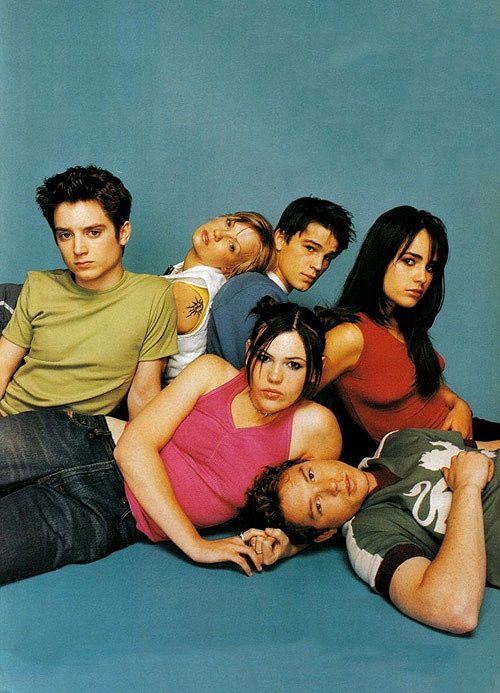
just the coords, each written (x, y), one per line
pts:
(194, 343)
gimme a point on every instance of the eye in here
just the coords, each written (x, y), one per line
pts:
(431, 267)
(229, 222)
(409, 261)
(94, 233)
(263, 357)
(63, 235)
(232, 247)
(318, 505)
(295, 365)
(310, 474)
(310, 248)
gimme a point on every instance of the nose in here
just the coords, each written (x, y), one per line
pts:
(420, 274)
(316, 263)
(79, 245)
(219, 234)
(275, 373)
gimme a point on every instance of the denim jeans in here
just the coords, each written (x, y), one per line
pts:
(62, 499)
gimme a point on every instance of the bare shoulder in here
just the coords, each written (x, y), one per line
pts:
(346, 336)
(316, 432)
(190, 305)
(343, 348)
(210, 370)
(315, 415)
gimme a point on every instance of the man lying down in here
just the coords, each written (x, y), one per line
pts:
(421, 519)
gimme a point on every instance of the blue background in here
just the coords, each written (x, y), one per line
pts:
(213, 106)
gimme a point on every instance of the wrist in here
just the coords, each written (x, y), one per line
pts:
(469, 487)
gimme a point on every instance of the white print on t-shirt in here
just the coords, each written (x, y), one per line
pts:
(438, 492)
(439, 502)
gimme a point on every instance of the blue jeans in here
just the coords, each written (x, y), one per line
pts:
(62, 499)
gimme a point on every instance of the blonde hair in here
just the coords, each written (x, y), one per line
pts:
(264, 259)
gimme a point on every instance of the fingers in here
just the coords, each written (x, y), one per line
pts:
(491, 470)
(251, 533)
(446, 423)
(276, 534)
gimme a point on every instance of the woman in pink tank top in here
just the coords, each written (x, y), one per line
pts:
(378, 349)
(189, 457)
(186, 459)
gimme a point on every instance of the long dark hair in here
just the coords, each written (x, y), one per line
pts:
(387, 239)
(275, 318)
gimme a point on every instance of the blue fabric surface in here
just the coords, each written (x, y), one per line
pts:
(145, 619)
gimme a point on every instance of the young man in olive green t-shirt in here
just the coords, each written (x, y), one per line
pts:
(88, 336)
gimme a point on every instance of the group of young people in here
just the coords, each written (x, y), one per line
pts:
(234, 432)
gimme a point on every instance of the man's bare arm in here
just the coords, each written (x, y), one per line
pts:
(447, 592)
(145, 385)
(11, 356)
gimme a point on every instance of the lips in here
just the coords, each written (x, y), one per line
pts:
(308, 278)
(271, 394)
(205, 237)
(416, 293)
(349, 484)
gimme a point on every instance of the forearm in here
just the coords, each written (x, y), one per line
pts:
(451, 589)
(145, 386)
(151, 486)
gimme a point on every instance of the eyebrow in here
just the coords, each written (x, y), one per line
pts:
(311, 242)
(310, 513)
(85, 228)
(415, 255)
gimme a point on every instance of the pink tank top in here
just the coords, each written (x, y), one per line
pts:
(211, 463)
(380, 392)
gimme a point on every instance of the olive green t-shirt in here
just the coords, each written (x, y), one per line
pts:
(83, 345)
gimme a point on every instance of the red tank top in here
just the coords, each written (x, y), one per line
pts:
(380, 392)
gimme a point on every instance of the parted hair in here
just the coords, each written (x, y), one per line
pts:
(273, 319)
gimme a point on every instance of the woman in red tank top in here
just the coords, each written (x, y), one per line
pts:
(378, 349)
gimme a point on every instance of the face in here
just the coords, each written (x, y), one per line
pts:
(410, 274)
(305, 257)
(279, 374)
(88, 244)
(225, 243)
(322, 493)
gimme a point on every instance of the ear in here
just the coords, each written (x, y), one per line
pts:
(279, 239)
(327, 534)
(124, 233)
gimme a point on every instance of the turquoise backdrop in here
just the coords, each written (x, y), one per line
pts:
(217, 105)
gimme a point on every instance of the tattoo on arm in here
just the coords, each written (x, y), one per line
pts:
(195, 308)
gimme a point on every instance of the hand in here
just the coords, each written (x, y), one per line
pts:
(470, 468)
(231, 549)
(459, 419)
(271, 544)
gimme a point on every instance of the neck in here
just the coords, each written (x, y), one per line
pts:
(282, 279)
(372, 482)
(263, 414)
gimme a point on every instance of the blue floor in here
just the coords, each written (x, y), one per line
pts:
(145, 619)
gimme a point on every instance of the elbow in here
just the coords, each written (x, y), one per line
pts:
(120, 454)
(460, 619)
